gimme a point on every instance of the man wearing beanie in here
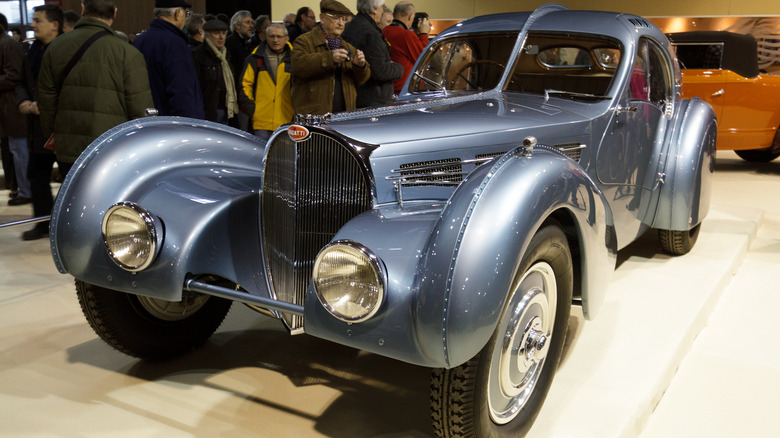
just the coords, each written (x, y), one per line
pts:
(326, 70)
(172, 77)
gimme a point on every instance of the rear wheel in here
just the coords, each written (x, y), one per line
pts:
(150, 328)
(678, 242)
(500, 391)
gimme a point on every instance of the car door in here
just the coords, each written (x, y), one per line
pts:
(628, 155)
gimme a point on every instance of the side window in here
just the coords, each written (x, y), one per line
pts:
(651, 77)
(700, 55)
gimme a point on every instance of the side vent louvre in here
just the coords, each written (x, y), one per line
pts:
(572, 150)
(638, 22)
(446, 172)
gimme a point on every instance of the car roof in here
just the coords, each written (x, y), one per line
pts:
(740, 52)
(555, 20)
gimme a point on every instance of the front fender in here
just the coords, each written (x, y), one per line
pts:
(198, 178)
(449, 266)
(684, 197)
(477, 246)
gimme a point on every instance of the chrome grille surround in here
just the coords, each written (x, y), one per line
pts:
(310, 190)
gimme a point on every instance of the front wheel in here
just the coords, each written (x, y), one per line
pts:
(500, 391)
(150, 328)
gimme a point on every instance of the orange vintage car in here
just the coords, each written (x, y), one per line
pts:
(722, 68)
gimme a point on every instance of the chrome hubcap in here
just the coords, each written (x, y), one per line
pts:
(518, 356)
(173, 310)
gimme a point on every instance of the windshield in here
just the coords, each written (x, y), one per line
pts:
(463, 63)
(569, 65)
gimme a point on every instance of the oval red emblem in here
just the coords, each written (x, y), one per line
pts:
(298, 132)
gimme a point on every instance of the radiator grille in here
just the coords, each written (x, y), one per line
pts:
(310, 190)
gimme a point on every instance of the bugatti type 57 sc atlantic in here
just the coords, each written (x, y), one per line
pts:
(453, 229)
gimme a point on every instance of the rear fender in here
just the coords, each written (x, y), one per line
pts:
(684, 196)
(200, 179)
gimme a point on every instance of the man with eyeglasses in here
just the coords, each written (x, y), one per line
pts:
(327, 70)
(264, 92)
(171, 69)
(305, 20)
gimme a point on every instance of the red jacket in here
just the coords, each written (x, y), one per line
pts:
(405, 48)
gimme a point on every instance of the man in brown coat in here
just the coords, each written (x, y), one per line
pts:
(327, 70)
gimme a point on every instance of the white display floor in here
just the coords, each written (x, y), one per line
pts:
(685, 347)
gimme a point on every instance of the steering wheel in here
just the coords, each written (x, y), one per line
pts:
(468, 65)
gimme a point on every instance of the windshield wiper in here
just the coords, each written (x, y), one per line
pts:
(431, 82)
(548, 92)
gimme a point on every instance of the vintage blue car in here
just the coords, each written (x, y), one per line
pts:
(452, 230)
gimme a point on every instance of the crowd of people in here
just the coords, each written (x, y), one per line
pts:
(76, 79)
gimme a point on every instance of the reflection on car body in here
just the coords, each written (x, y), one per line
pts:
(452, 230)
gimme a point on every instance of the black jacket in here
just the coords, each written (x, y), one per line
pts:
(238, 49)
(27, 89)
(363, 33)
(212, 82)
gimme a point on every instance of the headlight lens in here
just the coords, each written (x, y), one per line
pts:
(130, 236)
(348, 281)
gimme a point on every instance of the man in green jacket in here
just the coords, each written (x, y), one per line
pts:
(107, 86)
(327, 70)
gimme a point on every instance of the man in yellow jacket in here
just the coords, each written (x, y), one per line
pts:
(265, 87)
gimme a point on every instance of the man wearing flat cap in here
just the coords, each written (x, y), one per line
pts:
(215, 73)
(327, 70)
(171, 69)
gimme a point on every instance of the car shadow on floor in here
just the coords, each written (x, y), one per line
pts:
(374, 396)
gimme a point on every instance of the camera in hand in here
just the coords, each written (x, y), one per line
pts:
(418, 18)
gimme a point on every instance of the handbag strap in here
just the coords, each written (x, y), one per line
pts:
(77, 56)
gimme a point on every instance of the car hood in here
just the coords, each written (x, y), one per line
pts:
(447, 117)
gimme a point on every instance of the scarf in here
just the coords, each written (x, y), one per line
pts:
(333, 43)
(231, 100)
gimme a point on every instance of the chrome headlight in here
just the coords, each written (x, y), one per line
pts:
(130, 235)
(349, 281)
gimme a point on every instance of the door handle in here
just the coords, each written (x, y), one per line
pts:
(718, 93)
(623, 109)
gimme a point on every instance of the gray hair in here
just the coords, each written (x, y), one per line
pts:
(193, 24)
(237, 17)
(164, 12)
(367, 6)
(403, 9)
(277, 26)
